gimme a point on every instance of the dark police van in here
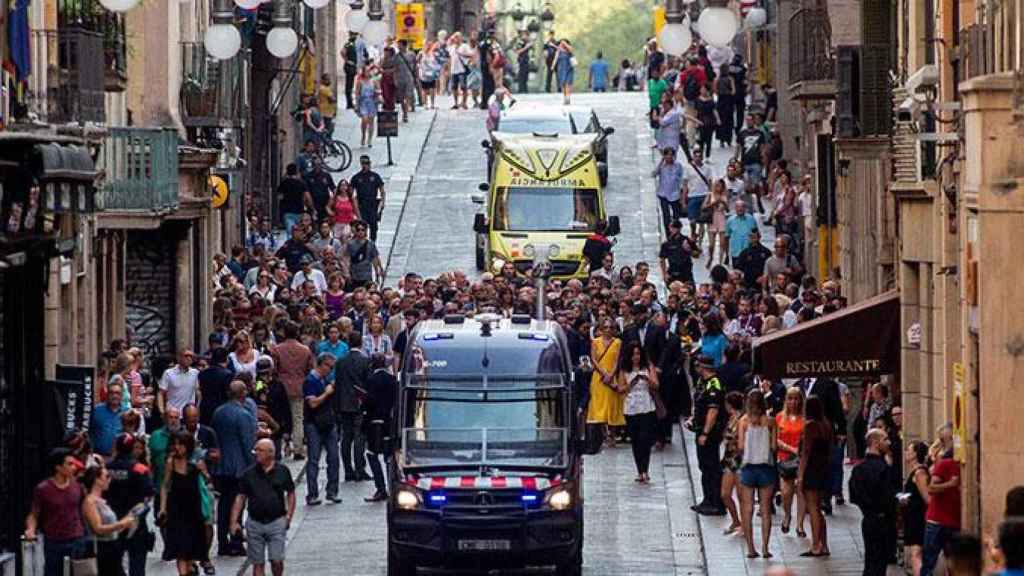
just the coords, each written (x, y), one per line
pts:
(487, 471)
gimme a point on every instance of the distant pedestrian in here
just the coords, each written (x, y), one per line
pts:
(813, 476)
(378, 408)
(637, 378)
(55, 513)
(364, 259)
(871, 490)
(550, 51)
(725, 89)
(370, 194)
(293, 197)
(321, 432)
(179, 384)
(522, 48)
(183, 509)
(708, 423)
(598, 80)
(790, 425)
(105, 422)
(943, 517)
(914, 502)
(267, 489)
(669, 174)
(732, 459)
(350, 67)
(605, 407)
(104, 527)
(757, 436)
(293, 361)
(328, 104)
(350, 380)
(565, 68)
(405, 79)
(235, 426)
(367, 100)
(130, 489)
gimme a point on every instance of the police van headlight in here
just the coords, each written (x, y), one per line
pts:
(408, 498)
(554, 251)
(559, 498)
(529, 251)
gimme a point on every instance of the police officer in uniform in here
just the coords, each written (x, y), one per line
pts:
(130, 486)
(676, 255)
(872, 491)
(708, 423)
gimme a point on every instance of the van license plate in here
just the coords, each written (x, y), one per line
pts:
(484, 545)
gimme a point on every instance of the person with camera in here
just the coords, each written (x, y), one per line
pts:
(381, 388)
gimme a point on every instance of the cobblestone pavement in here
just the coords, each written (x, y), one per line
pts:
(630, 529)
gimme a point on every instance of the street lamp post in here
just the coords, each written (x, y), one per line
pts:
(675, 37)
(282, 41)
(222, 39)
(718, 24)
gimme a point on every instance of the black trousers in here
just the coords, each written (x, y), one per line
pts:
(642, 429)
(373, 225)
(710, 463)
(740, 109)
(877, 543)
(353, 444)
(547, 79)
(707, 132)
(377, 470)
(227, 486)
(350, 80)
(523, 78)
(671, 211)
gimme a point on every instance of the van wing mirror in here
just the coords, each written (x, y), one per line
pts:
(484, 187)
(480, 223)
(485, 144)
(613, 226)
(608, 130)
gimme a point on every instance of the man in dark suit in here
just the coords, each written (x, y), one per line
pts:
(831, 398)
(350, 377)
(649, 331)
(381, 390)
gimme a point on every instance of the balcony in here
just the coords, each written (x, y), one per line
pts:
(212, 92)
(812, 64)
(141, 170)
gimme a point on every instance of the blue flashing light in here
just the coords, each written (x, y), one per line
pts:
(532, 499)
(529, 497)
(437, 498)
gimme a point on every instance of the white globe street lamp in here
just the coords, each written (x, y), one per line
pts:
(317, 4)
(718, 25)
(756, 17)
(282, 41)
(222, 41)
(119, 5)
(248, 4)
(675, 38)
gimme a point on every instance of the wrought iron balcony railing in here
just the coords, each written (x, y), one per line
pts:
(141, 170)
(212, 91)
(810, 41)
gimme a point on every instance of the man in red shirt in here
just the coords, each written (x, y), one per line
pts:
(294, 360)
(55, 512)
(943, 516)
(692, 79)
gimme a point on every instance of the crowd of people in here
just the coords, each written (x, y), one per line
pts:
(309, 341)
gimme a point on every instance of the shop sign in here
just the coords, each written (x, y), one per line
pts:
(866, 366)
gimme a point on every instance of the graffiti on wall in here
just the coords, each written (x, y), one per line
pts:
(149, 292)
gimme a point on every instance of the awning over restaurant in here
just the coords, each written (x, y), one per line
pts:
(862, 340)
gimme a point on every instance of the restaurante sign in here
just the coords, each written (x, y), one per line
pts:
(833, 366)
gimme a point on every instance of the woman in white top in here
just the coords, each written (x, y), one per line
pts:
(244, 357)
(264, 287)
(638, 380)
(376, 341)
(758, 442)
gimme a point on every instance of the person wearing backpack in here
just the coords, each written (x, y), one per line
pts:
(690, 82)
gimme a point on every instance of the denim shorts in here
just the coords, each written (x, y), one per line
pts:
(757, 475)
(753, 172)
(693, 206)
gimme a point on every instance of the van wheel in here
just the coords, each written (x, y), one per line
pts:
(398, 568)
(481, 258)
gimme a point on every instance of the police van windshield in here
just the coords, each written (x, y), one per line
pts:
(535, 125)
(540, 209)
(510, 412)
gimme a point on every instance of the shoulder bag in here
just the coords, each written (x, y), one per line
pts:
(87, 566)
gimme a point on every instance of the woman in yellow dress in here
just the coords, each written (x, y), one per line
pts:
(605, 400)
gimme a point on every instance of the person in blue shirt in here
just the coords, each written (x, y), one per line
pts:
(320, 431)
(235, 426)
(599, 74)
(334, 345)
(713, 343)
(105, 423)
(738, 229)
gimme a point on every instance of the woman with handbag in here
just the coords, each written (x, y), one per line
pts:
(790, 423)
(605, 407)
(757, 437)
(181, 505)
(102, 527)
(637, 378)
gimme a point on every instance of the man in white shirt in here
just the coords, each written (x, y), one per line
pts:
(806, 203)
(735, 184)
(459, 57)
(607, 269)
(696, 187)
(312, 274)
(179, 385)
